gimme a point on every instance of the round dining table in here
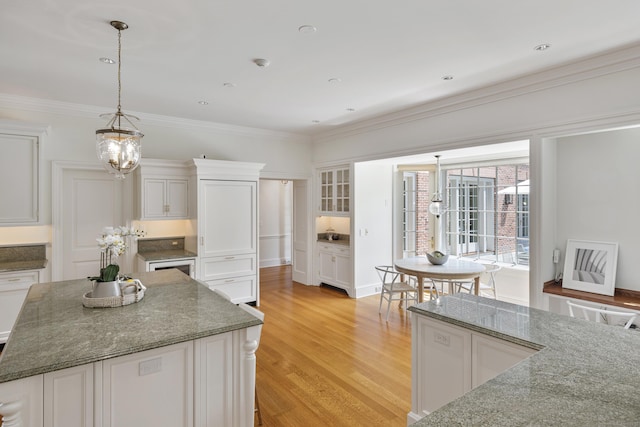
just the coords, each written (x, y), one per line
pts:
(453, 270)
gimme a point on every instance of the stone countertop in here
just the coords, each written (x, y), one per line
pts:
(343, 242)
(166, 255)
(6, 266)
(55, 331)
(22, 257)
(585, 373)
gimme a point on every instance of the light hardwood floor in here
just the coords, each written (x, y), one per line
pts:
(328, 360)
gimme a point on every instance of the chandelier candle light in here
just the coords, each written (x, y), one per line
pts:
(118, 147)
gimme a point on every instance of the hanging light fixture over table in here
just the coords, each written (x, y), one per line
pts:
(118, 144)
(437, 206)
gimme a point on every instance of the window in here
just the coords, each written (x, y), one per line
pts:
(487, 214)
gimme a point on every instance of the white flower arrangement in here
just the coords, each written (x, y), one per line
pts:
(112, 244)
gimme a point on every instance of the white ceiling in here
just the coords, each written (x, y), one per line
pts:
(388, 55)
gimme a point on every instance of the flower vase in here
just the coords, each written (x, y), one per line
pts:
(106, 289)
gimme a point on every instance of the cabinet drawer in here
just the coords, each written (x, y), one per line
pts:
(18, 281)
(214, 268)
(239, 289)
(334, 248)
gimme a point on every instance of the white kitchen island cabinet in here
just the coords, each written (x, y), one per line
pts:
(227, 227)
(189, 363)
(449, 359)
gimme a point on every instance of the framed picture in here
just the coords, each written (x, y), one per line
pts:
(590, 266)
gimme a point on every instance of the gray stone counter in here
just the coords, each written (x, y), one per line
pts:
(22, 257)
(54, 330)
(166, 255)
(585, 374)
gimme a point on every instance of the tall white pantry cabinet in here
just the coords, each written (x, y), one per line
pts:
(227, 227)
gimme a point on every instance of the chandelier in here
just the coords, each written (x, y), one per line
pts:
(118, 144)
(437, 206)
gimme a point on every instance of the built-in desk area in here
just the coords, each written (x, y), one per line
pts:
(622, 300)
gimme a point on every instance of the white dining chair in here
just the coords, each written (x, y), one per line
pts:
(487, 288)
(601, 315)
(393, 289)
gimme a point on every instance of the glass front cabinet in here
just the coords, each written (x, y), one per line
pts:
(334, 191)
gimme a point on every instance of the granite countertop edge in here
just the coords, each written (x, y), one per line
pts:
(167, 255)
(343, 242)
(11, 376)
(9, 266)
(482, 329)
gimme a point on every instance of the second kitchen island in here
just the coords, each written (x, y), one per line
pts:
(183, 356)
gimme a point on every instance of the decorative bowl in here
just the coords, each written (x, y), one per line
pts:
(437, 257)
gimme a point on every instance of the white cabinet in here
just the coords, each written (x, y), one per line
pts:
(13, 290)
(20, 146)
(150, 388)
(491, 356)
(335, 265)
(68, 397)
(334, 191)
(165, 198)
(21, 402)
(448, 361)
(227, 227)
(164, 189)
(213, 381)
(441, 364)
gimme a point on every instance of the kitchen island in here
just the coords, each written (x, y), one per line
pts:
(579, 373)
(182, 356)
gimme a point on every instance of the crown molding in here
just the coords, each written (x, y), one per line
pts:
(609, 62)
(93, 112)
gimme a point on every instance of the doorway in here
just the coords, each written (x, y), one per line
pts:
(284, 226)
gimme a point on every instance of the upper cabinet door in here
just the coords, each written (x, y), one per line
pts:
(227, 217)
(19, 174)
(334, 192)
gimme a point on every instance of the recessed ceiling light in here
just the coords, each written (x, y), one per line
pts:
(307, 29)
(541, 47)
(351, 110)
(229, 84)
(107, 60)
(449, 77)
(261, 62)
(334, 80)
(203, 102)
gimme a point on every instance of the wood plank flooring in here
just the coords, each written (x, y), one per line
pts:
(326, 359)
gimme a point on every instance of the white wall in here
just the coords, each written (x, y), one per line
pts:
(276, 215)
(72, 138)
(597, 188)
(595, 94)
(372, 239)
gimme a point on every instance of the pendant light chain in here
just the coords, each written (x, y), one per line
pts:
(119, 73)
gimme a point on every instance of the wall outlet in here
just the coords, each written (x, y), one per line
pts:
(556, 256)
(150, 366)
(378, 288)
(441, 339)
